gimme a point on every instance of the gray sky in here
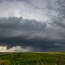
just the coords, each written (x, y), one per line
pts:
(32, 25)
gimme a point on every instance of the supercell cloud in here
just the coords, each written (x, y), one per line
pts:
(32, 25)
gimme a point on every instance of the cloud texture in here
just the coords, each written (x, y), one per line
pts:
(35, 25)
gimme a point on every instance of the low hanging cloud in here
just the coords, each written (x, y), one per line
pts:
(29, 33)
(15, 49)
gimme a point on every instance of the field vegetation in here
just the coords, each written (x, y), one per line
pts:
(48, 58)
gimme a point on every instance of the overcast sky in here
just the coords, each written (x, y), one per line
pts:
(32, 25)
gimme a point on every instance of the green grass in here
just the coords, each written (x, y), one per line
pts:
(48, 58)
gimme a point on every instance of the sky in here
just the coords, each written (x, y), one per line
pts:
(32, 25)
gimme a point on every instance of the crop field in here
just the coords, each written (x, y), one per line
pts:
(33, 58)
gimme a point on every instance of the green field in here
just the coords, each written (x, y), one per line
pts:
(48, 58)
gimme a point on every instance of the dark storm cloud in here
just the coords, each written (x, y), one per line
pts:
(24, 32)
(42, 44)
(21, 24)
(11, 28)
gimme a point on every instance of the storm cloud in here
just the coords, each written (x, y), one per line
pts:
(32, 25)
(29, 33)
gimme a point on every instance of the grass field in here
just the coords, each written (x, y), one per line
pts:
(45, 58)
